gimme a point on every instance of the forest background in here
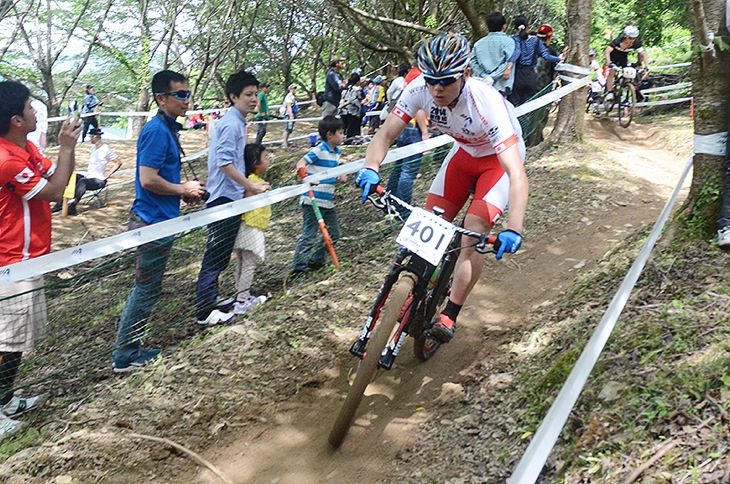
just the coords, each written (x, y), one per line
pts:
(57, 47)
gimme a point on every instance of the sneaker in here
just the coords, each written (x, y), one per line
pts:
(144, 357)
(723, 237)
(443, 328)
(17, 405)
(9, 426)
(216, 317)
(240, 307)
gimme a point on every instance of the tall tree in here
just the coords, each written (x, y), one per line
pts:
(41, 33)
(711, 93)
(570, 122)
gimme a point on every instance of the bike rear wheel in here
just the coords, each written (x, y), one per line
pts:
(387, 321)
(626, 105)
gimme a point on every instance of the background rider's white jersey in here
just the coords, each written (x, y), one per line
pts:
(482, 122)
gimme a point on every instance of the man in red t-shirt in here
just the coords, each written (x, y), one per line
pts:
(28, 182)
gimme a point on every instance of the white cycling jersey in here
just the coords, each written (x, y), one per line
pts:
(482, 122)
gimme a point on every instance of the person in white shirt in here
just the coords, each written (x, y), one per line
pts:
(38, 137)
(103, 163)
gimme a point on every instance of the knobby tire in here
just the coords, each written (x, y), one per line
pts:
(627, 94)
(387, 321)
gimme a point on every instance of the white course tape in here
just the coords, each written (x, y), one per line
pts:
(671, 66)
(572, 68)
(666, 101)
(150, 114)
(681, 85)
(534, 458)
(552, 96)
(711, 144)
(63, 259)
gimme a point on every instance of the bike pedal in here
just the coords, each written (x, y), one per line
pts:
(358, 348)
(386, 361)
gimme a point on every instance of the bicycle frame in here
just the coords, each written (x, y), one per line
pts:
(422, 304)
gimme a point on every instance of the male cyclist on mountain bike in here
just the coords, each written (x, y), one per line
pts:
(486, 159)
(617, 53)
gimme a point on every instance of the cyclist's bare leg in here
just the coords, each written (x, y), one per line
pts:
(609, 80)
(470, 263)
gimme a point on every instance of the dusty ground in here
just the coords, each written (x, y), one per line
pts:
(256, 401)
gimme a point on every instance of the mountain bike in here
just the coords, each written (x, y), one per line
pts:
(415, 289)
(624, 94)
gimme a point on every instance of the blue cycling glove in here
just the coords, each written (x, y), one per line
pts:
(367, 179)
(507, 241)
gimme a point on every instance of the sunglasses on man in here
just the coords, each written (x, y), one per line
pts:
(181, 95)
(444, 81)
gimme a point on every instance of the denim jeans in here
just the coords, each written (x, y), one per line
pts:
(151, 263)
(218, 249)
(405, 170)
(261, 131)
(724, 218)
(310, 248)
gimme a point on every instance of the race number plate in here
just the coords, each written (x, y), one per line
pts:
(629, 72)
(426, 235)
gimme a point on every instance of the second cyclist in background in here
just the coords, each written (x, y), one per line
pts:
(617, 53)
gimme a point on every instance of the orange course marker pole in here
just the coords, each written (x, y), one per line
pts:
(302, 172)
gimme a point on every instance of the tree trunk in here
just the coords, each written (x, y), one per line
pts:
(710, 90)
(570, 122)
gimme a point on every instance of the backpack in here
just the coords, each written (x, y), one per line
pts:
(319, 97)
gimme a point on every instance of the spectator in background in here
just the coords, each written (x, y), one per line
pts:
(290, 110)
(197, 120)
(262, 111)
(396, 87)
(158, 190)
(227, 182)
(333, 86)
(91, 103)
(527, 50)
(29, 181)
(492, 54)
(405, 170)
(38, 137)
(310, 251)
(375, 103)
(97, 171)
(350, 106)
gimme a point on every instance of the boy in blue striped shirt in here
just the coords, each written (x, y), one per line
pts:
(310, 251)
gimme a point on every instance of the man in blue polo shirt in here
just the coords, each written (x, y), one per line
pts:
(158, 192)
(227, 182)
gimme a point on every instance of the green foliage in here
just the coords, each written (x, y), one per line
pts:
(662, 23)
(698, 224)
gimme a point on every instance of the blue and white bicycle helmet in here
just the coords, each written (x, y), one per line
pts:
(444, 55)
(631, 31)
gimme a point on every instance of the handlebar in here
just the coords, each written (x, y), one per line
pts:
(385, 202)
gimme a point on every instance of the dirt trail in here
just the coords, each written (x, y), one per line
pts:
(291, 447)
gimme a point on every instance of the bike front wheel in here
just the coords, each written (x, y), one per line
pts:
(627, 104)
(389, 314)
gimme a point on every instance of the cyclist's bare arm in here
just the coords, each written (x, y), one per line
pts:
(378, 147)
(644, 59)
(511, 161)
(607, 55)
